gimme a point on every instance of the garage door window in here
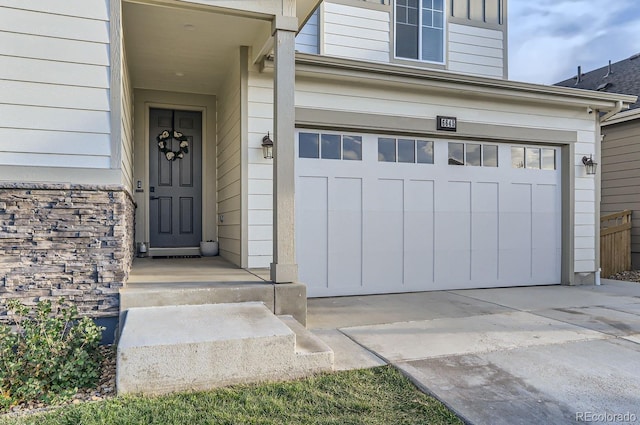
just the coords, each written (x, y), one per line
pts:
(308, 145)
(533, 158)
(405, 150)
(330, 146)
(352, 148)
(473, 154)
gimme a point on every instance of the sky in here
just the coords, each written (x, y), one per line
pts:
(548, 39)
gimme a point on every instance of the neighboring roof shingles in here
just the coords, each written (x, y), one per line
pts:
(624, 79)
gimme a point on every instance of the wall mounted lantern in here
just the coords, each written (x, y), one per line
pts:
(589, 165)
(267, 147)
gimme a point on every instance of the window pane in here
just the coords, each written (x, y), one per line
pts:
(401, 14)
(308, 145)
(427, 18)
(438, 18)
(456, 153)
(490, 155)
(406, 41)
(438, 5)
(432, 44)
(425, 152)
(517, 157)
(548, 159)
(330, 146)
(352, 148)
(406, 150)
(473, 154)
(533, 158)
(427, 4)
(386, 150)
(412, 3)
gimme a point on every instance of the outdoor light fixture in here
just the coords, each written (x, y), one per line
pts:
(267, 147)
(590, 166)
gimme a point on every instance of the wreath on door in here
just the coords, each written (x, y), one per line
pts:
(163, 144)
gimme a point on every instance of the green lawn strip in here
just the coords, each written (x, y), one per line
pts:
(371, 396)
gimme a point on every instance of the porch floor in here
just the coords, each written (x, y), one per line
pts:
(185, 272)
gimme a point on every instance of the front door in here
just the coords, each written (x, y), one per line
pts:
(175, 182)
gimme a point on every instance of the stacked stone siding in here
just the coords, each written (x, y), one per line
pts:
(71, 241)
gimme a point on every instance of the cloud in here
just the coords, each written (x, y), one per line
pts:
(548, 39)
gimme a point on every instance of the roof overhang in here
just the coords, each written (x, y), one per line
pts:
(633, 114)
(396, 75)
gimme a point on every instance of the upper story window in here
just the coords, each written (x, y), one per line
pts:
(420, 30)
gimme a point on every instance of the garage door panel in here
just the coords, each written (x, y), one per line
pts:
(345, 234)
(484, 232)
(383, 234)
(419, 235)
(311, 231)
(453, 232)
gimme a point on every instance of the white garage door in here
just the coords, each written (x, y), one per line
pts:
(384, 214)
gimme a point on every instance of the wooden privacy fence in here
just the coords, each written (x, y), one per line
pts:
(615, 243)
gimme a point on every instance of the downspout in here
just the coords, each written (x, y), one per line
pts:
(615, 110)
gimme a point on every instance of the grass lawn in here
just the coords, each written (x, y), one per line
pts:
(371, 396)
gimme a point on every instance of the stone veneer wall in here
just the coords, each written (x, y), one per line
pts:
(63, 240)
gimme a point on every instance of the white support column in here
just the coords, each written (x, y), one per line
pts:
(284, 268)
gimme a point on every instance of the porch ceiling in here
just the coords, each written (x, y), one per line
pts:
(185, 50)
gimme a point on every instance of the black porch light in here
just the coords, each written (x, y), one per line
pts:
(267, 147)
(589, 165)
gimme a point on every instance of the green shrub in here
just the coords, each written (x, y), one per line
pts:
(47, 355)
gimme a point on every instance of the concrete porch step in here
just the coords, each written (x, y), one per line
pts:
(194, 293)
(195, 347)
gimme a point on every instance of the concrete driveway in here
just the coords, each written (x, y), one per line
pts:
(552, 355)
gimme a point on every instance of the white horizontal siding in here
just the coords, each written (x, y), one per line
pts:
(50, 25)
(126, 128)
(50, 72)
(57, 49)
(356, 32)
(55, 96)
(55, 80)
(260, 171)
(228, 165)
(60, 142)
(90, 9)
(308, 40)
(475, 51)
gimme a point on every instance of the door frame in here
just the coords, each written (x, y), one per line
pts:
(204, 188)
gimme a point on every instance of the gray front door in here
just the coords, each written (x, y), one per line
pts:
(175, 186)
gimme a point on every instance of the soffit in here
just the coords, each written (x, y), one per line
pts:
(161, 42)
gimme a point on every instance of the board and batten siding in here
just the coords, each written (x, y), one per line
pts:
(476, 51)
(356, 32)
(228, 165)
(348, 97)
(260, 170)
(621, 176)
(54, 80)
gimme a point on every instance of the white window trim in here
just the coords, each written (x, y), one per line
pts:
(444, 35)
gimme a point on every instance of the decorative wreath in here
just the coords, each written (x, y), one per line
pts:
(168, 153)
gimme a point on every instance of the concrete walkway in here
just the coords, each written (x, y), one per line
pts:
(552, 355)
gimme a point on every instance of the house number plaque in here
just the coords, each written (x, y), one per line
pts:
(446, 123)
